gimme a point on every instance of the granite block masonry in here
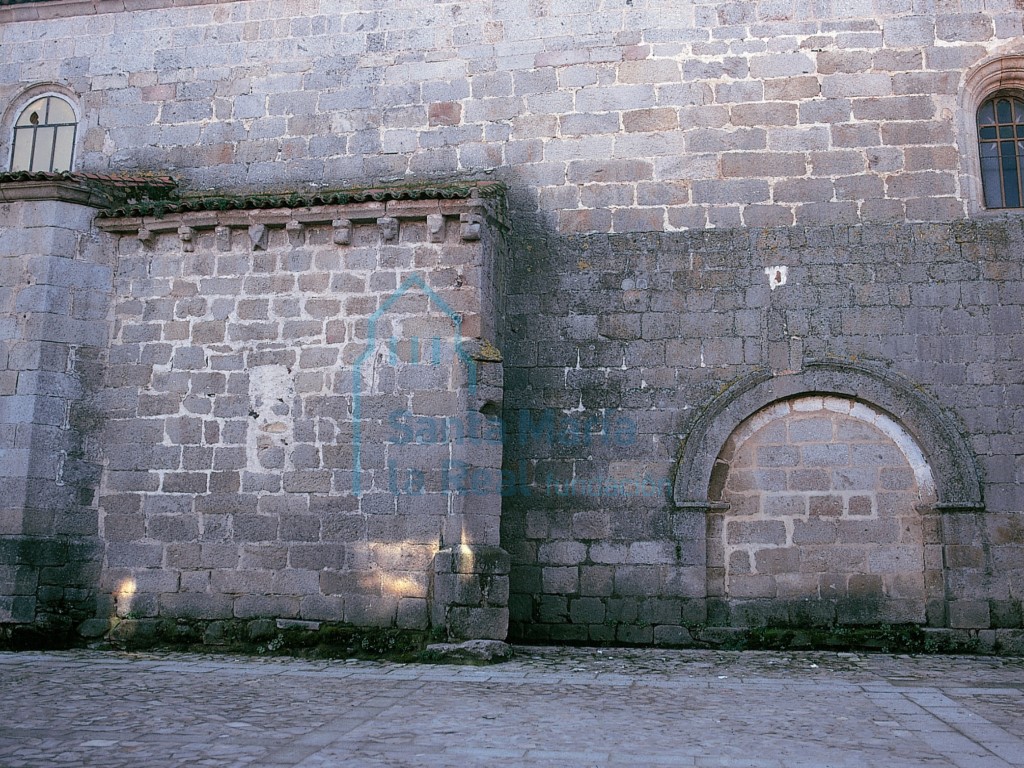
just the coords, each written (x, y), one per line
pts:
(717, 332)
(56, 296)
(266, 379)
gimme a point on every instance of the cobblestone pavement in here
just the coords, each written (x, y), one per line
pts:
(547, 707)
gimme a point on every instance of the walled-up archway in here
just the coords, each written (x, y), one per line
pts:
(883, 539)
(821, 521)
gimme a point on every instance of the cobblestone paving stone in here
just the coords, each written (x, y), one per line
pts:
(547, 707)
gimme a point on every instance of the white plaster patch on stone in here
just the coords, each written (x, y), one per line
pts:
(374, 365)
(862, 412)
(271, 393)
(776, 275)
(578, 408)
(752, 424)
(807, 404)
(911, 451)
(837, 404)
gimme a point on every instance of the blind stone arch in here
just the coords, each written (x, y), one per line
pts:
(957, 482)
(822, 520)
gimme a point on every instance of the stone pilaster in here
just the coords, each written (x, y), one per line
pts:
(53, 336)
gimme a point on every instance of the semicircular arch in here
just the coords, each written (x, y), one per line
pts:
(957, 482)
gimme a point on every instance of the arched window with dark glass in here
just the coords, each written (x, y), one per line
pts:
(44, 136)
(1001, 146)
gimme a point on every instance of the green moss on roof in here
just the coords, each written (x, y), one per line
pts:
(228, 202)
(141, 194)
(117, 188)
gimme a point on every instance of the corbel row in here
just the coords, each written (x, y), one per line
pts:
(258, 224)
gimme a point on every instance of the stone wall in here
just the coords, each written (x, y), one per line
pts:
(600, 115)
(272, 374)
(702, 195)
(648, 331)
(56, 278)
(293, 406)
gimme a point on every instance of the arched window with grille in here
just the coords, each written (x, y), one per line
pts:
(1001, 150)
(44, 136)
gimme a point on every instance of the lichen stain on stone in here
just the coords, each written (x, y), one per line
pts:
(1011, 533)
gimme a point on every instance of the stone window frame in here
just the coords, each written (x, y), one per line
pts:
(998, 75)
(21, 102)
(995, 183)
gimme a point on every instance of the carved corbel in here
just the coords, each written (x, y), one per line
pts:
(342, 231)
(223, 237)
(187, 235)
(435, 227)
(296, 232)
(388, 228)
(470, 228)
(258, 237)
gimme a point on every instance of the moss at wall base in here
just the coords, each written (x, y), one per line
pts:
(321, 640)
(334, 640)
